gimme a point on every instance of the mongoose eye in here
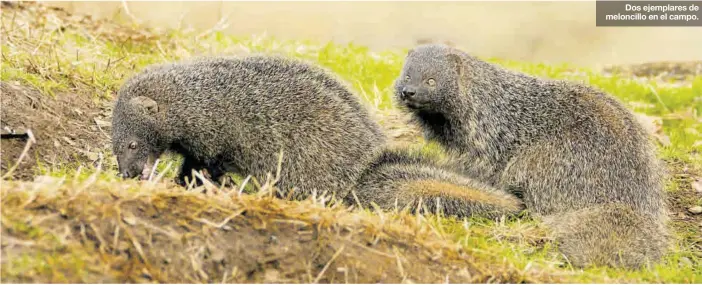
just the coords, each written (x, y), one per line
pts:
(407, 78)
(132, 145)
(431, 82)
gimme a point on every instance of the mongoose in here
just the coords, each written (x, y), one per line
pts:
(572, 153)
(236, 115)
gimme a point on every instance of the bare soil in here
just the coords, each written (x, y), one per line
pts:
(669, 71)
(69, 129)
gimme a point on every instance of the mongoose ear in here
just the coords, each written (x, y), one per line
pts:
(457, 62)
(148, 105)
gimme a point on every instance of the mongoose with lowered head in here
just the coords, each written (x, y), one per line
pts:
(572, 153)
(236, 115)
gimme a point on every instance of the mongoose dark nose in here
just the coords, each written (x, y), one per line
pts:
(408, 92)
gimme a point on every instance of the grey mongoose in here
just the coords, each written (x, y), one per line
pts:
(237, 114)
(572, 153)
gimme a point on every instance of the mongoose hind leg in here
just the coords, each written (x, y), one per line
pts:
(611, 234)
(592, 224)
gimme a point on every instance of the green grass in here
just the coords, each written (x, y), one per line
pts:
(36, 53)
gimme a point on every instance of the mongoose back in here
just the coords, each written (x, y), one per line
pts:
(572, 153)
(236, 115)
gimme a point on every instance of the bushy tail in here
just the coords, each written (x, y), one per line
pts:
(609, 235)
(402, 178)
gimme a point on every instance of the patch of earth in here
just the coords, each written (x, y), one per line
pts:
(172, 236)
(69, 129)
(674, 74)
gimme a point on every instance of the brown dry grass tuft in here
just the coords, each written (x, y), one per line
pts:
(61, 230)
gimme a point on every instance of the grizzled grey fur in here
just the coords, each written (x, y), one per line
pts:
(236, 115)
(572, 153)
(400, 178)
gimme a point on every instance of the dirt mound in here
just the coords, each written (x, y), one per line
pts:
(669, 74)
(667, 71)
(106, 232)
(69, 129)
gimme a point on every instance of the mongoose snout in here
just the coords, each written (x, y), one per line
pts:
(413, 97)
(408, 92)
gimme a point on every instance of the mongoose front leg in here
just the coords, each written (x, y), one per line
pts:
(186, 171)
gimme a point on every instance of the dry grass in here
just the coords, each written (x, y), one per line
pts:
(68, 230)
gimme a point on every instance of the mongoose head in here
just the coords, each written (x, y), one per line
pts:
(135, 136)
(430, 73)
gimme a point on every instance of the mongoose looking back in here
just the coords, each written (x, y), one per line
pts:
(237, 115)
(572, 153)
